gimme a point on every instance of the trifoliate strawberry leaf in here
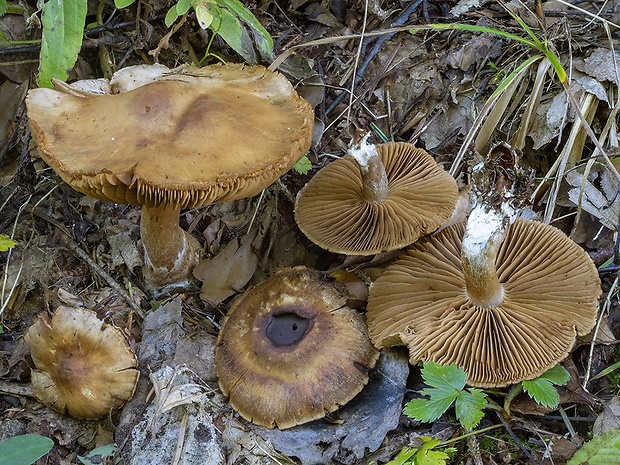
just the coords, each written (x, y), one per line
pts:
(469, 406)
(446, 385)
(542, 389)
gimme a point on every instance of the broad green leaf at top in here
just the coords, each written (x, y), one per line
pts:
(3, 7)
(123, 3)
(63, 26)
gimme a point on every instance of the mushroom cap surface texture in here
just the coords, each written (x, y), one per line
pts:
(85, 367)
(187, 137)
(332, 211)
(290, 351)
(551, 295)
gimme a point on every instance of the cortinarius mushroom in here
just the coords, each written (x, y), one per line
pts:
(85, 367)
(172, 139)
(378, 198)
(290, 351)
(504, 301)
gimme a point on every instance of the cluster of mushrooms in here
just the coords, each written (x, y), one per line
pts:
(502, 297)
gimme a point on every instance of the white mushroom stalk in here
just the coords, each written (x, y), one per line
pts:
(374, 176)
(497, 204)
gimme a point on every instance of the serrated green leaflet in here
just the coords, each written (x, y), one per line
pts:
(542, 389)
(427, 410)
(6, 243)
(602, 450)
(444, 376)
(558, 375)
(24, 449)
(63, 23)
(3, 7)
(469, 405)
(303, 165)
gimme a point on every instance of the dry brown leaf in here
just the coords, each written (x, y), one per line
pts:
(229, 271)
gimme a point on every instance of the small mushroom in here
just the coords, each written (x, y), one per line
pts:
(290, 351)
(172, 139)
(502, 297)
(85, 367)
(376, 199)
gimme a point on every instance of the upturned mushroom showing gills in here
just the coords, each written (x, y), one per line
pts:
(375, 199)
(502, 297)
(168, 140)
(290, 351)
(84, 367)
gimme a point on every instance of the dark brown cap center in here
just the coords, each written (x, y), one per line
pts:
(287, 329)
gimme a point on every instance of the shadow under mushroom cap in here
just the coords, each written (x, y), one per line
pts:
(333, 212)
(290, 351)
(551, 295)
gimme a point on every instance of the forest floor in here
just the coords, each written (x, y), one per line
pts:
(427, 88)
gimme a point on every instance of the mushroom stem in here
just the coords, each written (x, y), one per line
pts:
(485, 231)
(170, 253)
(374, 177)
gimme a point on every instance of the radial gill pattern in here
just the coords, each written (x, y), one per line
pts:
(551, 295)
(333, 212)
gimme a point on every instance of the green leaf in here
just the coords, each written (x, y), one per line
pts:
(171, 16)
(123, 3)
(63, 23)
(558, 375)
(303, 166)
(469, 407)
(427, 410)
(444, 376)
(404, 456)
(98, 455)
(6, 243)
(542, 389)
(234, 35)
(183, 6)
(3, 7)
(263, 39)
(25, 449)
(203, 15)
(602, 450)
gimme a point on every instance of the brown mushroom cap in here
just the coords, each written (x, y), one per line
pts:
(333, 212)
(84, 366)
(187, 137)
(290, 351)
(551, 295)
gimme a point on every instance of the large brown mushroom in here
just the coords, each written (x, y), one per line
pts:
(501, 297)
(375, 199)
(85, 367)
(290, 351)
(172, 139)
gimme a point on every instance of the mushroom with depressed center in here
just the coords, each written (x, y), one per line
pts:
(169, 140)
(291, 351)
(84, 367)
(376, 199)
(502, 297)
